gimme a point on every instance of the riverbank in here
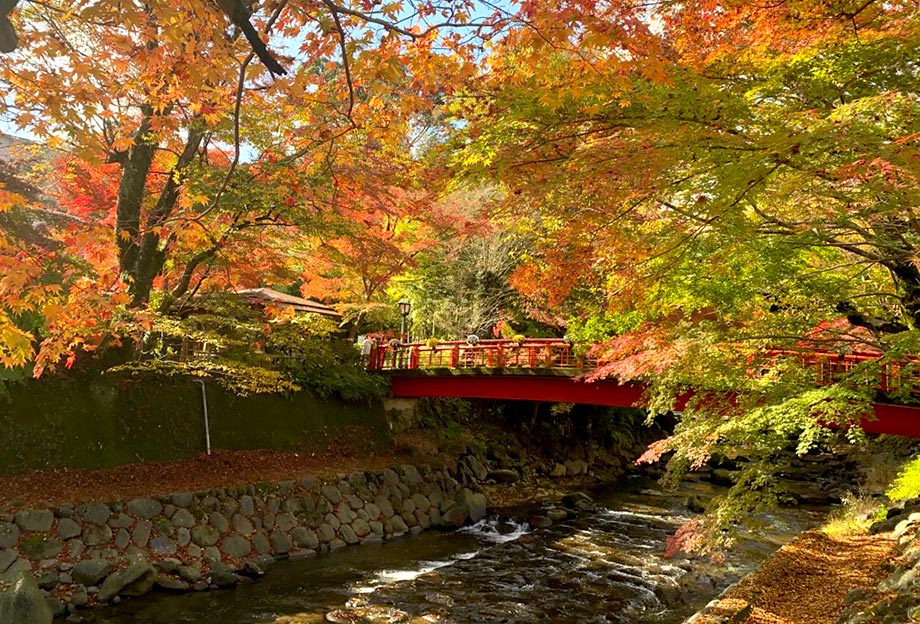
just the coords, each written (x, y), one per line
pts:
(809, 581)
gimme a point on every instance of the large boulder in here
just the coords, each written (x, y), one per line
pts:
(22, 602)
(134, 580)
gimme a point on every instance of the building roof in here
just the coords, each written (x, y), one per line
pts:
(269, 295)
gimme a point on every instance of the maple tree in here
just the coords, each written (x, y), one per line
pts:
(710, 180)
(217, 162)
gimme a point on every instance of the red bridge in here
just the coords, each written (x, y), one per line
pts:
(547, 369)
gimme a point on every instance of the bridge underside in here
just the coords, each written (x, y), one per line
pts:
(890, 419)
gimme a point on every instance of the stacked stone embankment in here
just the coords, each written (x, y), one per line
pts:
(896, 600)
(56, 560)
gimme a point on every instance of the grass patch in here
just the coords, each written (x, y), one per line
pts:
(854, 516)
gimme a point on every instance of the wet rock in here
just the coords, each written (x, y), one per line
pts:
(36, 521)
(189, 574)
(722, 476)
(135, 580)
(223, 575)
(578, 501)
(475, 503)
(22, 602)
(695, 504)
(455, 516)
(169, 583)
(503, 475)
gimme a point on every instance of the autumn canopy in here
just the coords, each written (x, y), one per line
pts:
(686, 185)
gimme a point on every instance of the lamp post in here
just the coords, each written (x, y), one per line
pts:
(404, 307)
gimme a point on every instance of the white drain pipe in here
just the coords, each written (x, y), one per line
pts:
(207, 426)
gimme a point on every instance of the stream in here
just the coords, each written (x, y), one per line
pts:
(602, 567)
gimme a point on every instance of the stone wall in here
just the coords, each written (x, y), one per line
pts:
(97, 552)
(896, 599)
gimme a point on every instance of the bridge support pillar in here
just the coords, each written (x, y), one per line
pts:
(401, 414)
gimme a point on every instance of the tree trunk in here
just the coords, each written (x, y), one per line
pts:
(150, 257)
(135, 169)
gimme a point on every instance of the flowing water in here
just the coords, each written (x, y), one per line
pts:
(603, 567)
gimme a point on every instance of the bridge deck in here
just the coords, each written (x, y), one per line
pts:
(548, 369)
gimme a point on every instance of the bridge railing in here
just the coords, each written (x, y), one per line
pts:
(544, 353)
(527, 353)
(830, 367)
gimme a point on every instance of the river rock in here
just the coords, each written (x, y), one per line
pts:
(169, 583)
(385, 507)
(305, 538)
(332, 494)
(348, 534)
(503, 475)
(38, 547)
(205, 535)
(141, 534)
(455, 516)
(241, 524)
(183, 500)
(94, 513)
(36, 521)
(90, 571)
(67, 529)
(236, 546)
(183, 518)
(9, 534)
(7, 557)
(22, 602)
(190, 574)
(578, 501)
(134, 580)
(260, 543)
(280, 543)
(145, 508)
(475, 503)
(223, 575)
(97, 535)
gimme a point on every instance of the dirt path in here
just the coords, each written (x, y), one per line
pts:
(806, 581)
